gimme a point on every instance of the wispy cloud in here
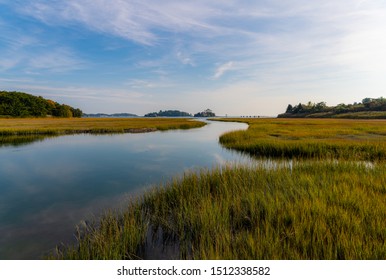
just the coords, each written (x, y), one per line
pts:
(217, 25)
(222, 69)
(134, 20)
(28, 50)
(140, 21)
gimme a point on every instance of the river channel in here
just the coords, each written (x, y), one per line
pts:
(49, 187)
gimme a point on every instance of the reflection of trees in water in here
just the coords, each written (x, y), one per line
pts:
(17, 140)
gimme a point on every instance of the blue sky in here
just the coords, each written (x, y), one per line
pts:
(234, 57)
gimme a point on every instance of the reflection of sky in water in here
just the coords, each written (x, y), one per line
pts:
(47, 187)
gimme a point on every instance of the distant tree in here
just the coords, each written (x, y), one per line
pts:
(320, 106)
(298, 108)
(151, 115)
(289, 108)
(76, 113)
(366, 100)
(63, 111)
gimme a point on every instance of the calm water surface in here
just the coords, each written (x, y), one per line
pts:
(49, 187)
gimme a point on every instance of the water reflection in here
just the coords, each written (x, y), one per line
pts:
(17, 140)
(51, 185)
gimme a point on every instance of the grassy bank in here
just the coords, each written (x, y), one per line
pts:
(311, 138)
(312, 210)
(59, 126)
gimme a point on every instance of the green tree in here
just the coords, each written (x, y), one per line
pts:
(20, 104)
(320, 106)
(289, 108)
(63, 111)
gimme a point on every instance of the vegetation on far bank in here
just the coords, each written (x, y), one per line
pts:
(58, 126)
(369, 108)
(20, 104)
(310, 139)
(327, 202)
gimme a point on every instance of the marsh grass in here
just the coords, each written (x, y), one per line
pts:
(312, 210)
(311, 138)
(60, 126)
(114, 236)
(363, 115)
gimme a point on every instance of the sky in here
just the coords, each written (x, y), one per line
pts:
(244, 57)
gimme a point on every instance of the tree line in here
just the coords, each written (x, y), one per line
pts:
(20, 104)
(367, 104)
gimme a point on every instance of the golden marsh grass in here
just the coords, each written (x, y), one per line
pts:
(58, 126)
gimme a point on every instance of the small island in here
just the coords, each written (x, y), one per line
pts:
(208, 113)
(168, 113)
(369, 108)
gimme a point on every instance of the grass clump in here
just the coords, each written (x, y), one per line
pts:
(307, 210)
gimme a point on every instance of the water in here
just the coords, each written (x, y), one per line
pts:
(49, 187)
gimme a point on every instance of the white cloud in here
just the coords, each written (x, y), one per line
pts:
(222, 69)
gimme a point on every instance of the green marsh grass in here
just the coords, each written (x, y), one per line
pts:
(310, 138)
(307, 210)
